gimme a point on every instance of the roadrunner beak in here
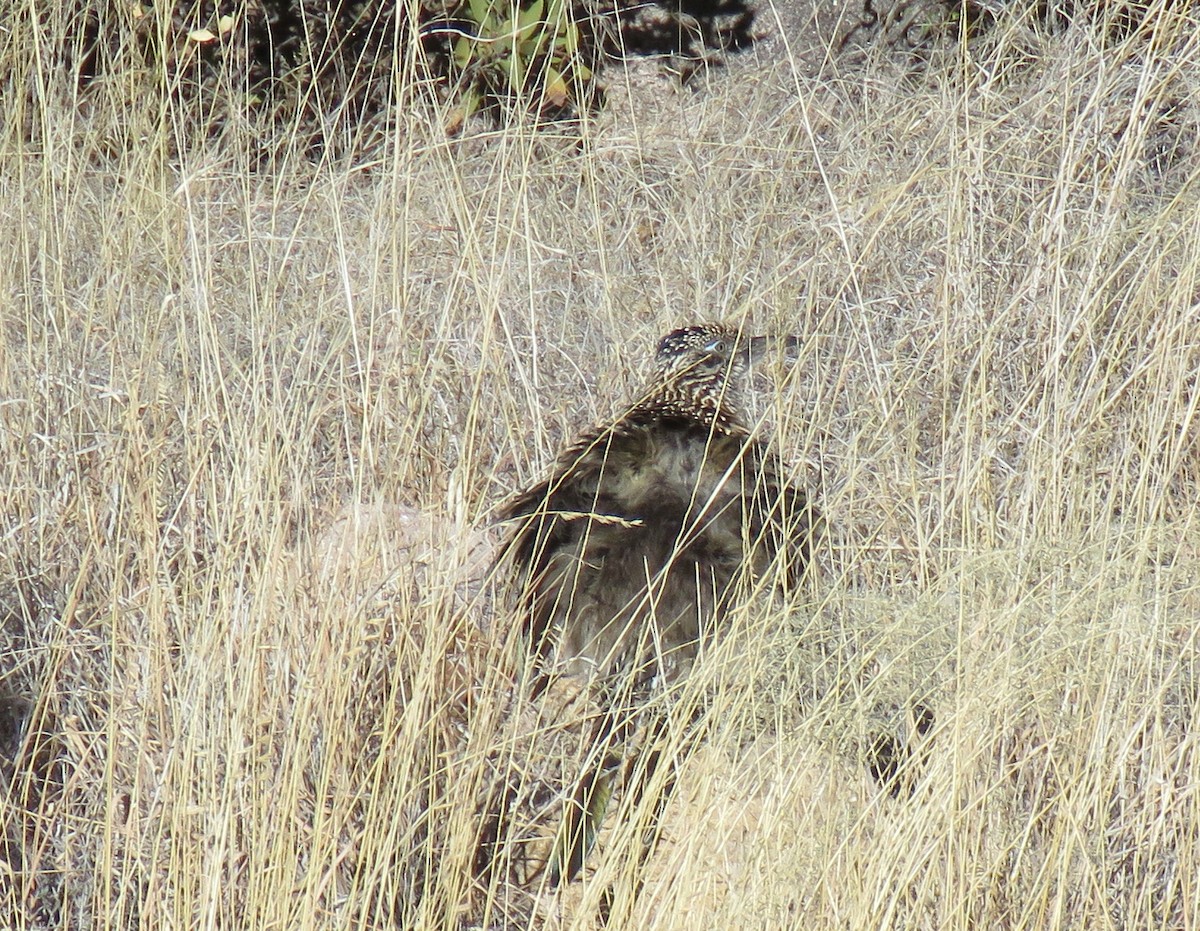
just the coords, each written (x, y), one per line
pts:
(756, 349)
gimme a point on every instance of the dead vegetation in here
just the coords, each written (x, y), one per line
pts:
(253, 671)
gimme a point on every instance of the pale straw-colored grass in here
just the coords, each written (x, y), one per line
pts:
(255, 421)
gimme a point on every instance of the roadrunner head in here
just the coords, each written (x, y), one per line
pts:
(703, 373)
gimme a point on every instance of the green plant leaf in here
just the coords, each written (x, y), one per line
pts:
(529, 19)
(566, 40)
(480, 11)
(506, 32)
(555, 89)
(464, 51)
(514, 68)
(468, 103)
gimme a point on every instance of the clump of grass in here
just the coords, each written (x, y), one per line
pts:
(253, 672)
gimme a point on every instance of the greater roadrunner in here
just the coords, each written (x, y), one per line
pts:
(644, 535)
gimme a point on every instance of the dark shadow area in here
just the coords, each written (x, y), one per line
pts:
(920, 25)
(896, 763)
(330, 68)
(692, 34)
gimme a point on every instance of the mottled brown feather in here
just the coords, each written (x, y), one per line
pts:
(628, 554)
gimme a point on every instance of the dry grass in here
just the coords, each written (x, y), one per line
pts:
(255, 421)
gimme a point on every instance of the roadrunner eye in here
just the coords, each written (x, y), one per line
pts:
(717, 345)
